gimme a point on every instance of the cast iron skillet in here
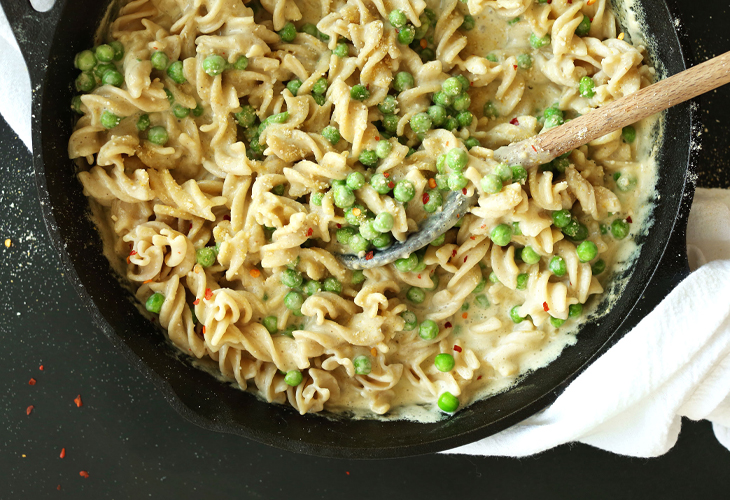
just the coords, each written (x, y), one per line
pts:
(49, 42)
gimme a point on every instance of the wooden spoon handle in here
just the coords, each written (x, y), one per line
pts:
(618, 114)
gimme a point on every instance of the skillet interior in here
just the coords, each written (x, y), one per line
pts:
(201, 398)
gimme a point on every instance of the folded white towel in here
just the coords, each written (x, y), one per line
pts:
(675, 363)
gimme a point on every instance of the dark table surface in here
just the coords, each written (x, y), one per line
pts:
(133, 445)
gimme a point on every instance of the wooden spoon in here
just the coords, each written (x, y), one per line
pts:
(547, 146)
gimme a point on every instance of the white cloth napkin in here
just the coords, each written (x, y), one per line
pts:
(675, 363)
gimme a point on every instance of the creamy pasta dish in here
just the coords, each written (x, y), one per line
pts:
(233, 151)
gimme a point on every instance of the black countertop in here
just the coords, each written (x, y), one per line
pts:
(133, 445)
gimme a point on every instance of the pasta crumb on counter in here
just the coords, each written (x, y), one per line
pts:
(232, 157)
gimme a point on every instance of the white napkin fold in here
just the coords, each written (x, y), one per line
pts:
(675, 363)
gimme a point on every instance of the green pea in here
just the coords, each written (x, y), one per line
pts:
(452, 87)
(170, 96)
(457, 181)
(293, 301)
(530, 256)
(154, 302)
(316, 199)
(362, 365)
(355, 220)
(367, 231)
(357, 277)
(482, 301)
(427, 55)
(180, 112)
(197, 110)
(382, 240)
(441, 98)
(491, 184)
(438, 241)
(522, 281)
(390, 123)
(468, 23)
(403, 81)
(389, 105)
(288, 33)
(157, 135)
(205, 256)
(519, 174)
(444, 362)
(515, 315)
(102, 68)
(175, 72)
(437, 114)
(586, 87)
(620, 229)
(383, 149)
(421, 31)
(421, 123)
(320, 86)
(598, 267)
(309, 29)
(76, 104)
(85, 82)
(159, 60)
(538, 42)
(271, 324)
(406, 34)
(85, 60)
(344, 197)
(492, 58)
(359, 92)
(331, 134)
(241, 63)
(404, 191)
(587, 251)
(465, 118)
(311, 287)
(575, 310)
(493, 277)
(629, 134)
(556, 322)
(442, 182)
(626, 183)
(214, 65)
(410, 320)
(293, 86)
(457, 159)
(448, 402)
(104, 53)
(514, 21)
(462, 102)
(383, 222)
(380, 183)
(451, 123)
(355, 180)
(561, 218)
(428, 330)
(575, 230)
(246, 117)
(143, 122)
(276, 118)
(560, 164)
(465, 84)
(397, 18)
(291, 278)
(490, 110)
(112, 77)
(584, 27)
(557, 266)
(504, 172)
(407, 264)
(501, 235)
(416, 295)
(359, 244)
(341, 50)
(345, 234)
(524, 61)
(332, 284)
(118, 49)
(432, 200)
(471, 142)
(289, 331)
(109, 120)
(293, 378)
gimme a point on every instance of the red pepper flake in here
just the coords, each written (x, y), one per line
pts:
(58, 487)
(545, 307)
(310, 232)
(514, 66)
(463, 191)
(133, 252)
(480, 377)
(339, 226)
(255, 273)
(226, 217)
(196, 302)
(78, 401)
(464, 315)
(63, 453)
(471, 84)
(83, 473)
(457, 348)
(465, 257)
(628, 219)
(369, 255)
(514, 121)
(203, 329)
(453, 253)
(534, 149)
(447, 324)
(377, 138)
(31, 381)
(472, 238)
(391, 184)
(419, 276)
(40, 368)
(347, 472)
(484, 226)
(386, 174)
(425, 198)
(423, 43)
(208, 294)
(29, 409)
